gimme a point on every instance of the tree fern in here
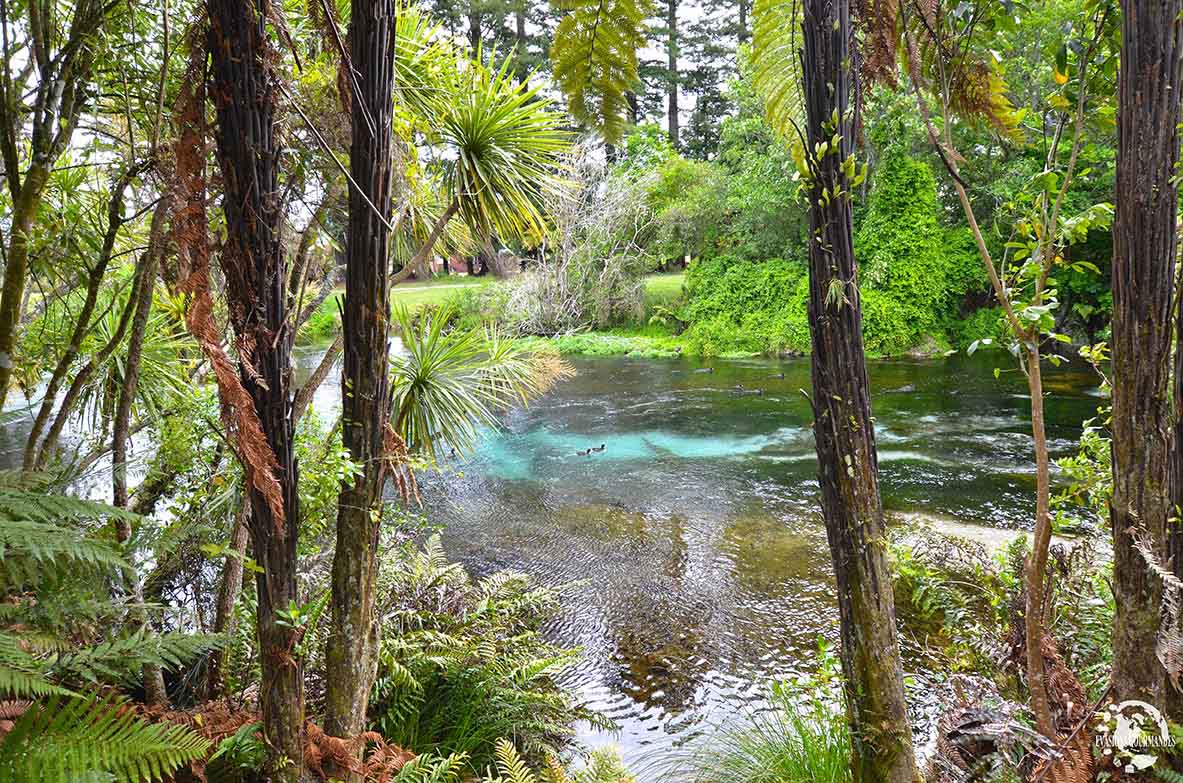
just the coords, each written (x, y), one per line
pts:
(66, 739)
(776, 65)
(594, 57)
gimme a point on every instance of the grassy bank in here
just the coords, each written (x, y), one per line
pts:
(661, 291)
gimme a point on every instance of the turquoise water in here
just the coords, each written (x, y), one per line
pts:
(699, 558)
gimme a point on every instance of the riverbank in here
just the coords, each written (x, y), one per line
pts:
(750, 319)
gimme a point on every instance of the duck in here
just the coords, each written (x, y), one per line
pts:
(705, 369)
(599, 448)
(583, 453)
(780, 376)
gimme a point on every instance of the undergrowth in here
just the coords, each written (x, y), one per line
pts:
(463, 664)
(800, 736)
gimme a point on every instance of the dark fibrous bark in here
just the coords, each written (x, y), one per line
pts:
(844, 432)
(351, 655)
(1144, 246)
(245, 92)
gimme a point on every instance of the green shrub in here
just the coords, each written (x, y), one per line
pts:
(913, 273)
(743, 307)
(986, 323)
(324, 323)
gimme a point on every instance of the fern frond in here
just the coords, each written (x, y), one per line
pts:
(776, 65)
(67, 739)
(430, 768)
(54, 508)
(119, 659)
(594, 57)
(511, 765)
(21, 674)
(43, 543)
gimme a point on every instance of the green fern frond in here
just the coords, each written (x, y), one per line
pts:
(67, 739)
(54, 508)
(430, 768)
(511, 766)
(42, 543)
(594, 57)
(776, 65)
(21, 674)
(120, 659)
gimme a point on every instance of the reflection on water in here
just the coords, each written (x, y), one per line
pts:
(697, 563)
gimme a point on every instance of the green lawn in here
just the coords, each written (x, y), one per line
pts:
(663, 289)
(660, 289)
(435, 291)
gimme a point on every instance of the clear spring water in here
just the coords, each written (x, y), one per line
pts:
(692, 543)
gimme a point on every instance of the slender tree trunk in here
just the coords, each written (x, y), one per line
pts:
(671, 21)
(1035, 573)
(743, 21)
(522, 41)
(154, 690)
(351, 654)
(16, 269)
(844, 433)
(253, 261)
(1148, 86)
(135, 345)
(229, 588)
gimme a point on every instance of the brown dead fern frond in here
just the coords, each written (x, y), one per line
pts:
(344, 755)
(878, 20)
(397, 459)
(190, 234)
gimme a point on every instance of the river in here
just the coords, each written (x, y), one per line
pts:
(695, 558)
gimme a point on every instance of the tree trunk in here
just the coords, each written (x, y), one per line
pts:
(743, 21)
(844, 433)
(474, 30)
(1035, 572)
(16, 269)
(135, 345)
(253, 262)
(351, 655)
(671, 21)
(523, 70)
(229, 588)
(1148, 85)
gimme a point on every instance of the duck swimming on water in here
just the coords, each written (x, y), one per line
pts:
(599, 448)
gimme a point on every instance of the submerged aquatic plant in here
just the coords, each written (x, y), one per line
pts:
(801, 736)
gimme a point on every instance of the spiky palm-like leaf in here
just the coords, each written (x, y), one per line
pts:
(70, 739)
(594, 56)
(776, 65)
(449, 385)
(505, 147)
